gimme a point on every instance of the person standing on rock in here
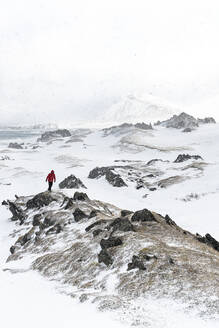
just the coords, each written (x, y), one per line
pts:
(51, 178)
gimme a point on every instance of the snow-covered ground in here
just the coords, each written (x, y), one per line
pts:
(28, 299)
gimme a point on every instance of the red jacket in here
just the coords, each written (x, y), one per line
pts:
(51, 177)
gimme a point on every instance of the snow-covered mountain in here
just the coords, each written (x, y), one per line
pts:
(135, 108)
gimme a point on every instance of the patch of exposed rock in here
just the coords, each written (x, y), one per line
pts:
(185, 157)
(15, 145)
(125, 128)
(113, 178)
(71, 182)
(49, 135)
(185, 121)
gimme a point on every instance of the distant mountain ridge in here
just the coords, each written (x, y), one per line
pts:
(133, 109)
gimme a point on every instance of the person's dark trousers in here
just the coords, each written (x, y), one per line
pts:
(50, 186)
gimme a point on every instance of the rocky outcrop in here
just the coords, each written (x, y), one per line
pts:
(49, 135)
(40, 200)
(17, 212)
(110, 242)
(81, 196)
(71, 182)
(143, 216)
(126, 127)
(114, 179)
(79, 215)
(209, 240)
(142, 253)
(15, 145)
(181, 121)
(206, 120)
(185, 121)
(185, 157)
(121, 224)
(104, 257)
(136, 264)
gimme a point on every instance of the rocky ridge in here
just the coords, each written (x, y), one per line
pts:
(185, 121)
(156, 173)
(88, 243)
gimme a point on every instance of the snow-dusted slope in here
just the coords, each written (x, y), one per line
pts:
(191, 202)
(134, 108)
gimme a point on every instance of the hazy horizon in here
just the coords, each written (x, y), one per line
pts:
(69, 60)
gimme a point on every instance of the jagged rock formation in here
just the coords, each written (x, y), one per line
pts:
(126, 127)
(15, 145)
(151, 175)
(49, 135)
(185, 157)
(147, 254)
(185, 121)
(206, 120)
(114, 179)
(71, 182)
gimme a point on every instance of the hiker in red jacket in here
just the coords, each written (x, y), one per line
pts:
(50, 178)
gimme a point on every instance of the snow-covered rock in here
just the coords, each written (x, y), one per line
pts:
(145, 254)
(71, 182)
(49, 135)
(185, 121)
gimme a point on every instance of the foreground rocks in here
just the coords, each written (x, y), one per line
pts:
(88, 244)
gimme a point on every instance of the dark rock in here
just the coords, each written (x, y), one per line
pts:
(71, 182)
(209, 240)
(187, 130)
(152, 189)
(181, 121)
(80, 196)
(37, 220)
(212, 242)
(169, 220)
(79, 215)
(122, 224)
(4, 203)
(170, 260)
(143, 216)
(12, 249)
(186, 157)
(92, 214)
(110, 242)
(25, 238)
(49, 135)
(143, 126)
(104, 257)
(125, 213)
(15, 145)
(153, 161)
(150, 176)
(97, 232)
(40, 200)
(49, 221)
(115, 179)
(91, 226)
(17, 212)
(98, 172)
(136, 264)
(206, 120)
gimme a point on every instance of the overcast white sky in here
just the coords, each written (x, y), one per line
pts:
(69, 60)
